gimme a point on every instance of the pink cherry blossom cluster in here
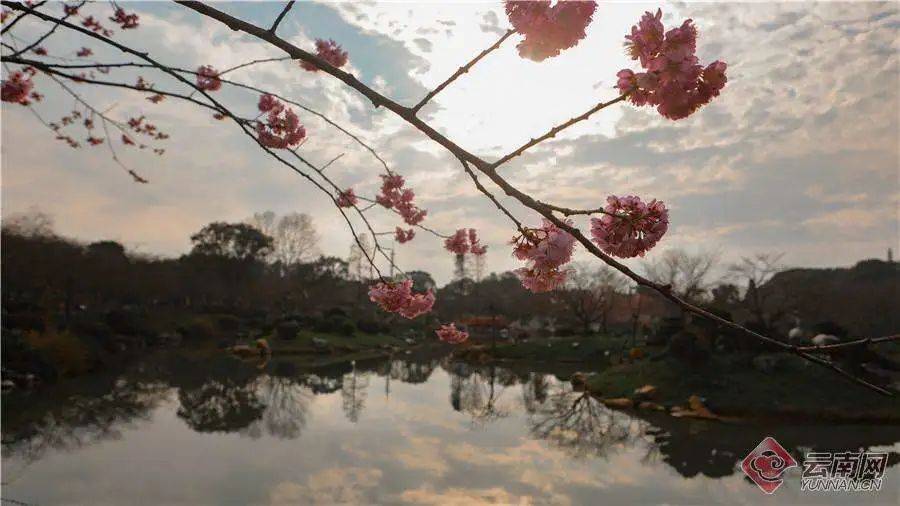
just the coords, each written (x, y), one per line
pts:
(84, 52)
(124, 20)
(329, 51)
(404, 236)
(282, 128)
(17, 89)
(631, 227)
(95, 26)
(347, 198)
(549, 30)
(465, 241)
(394, 196)
(450, 334)
(674, 80)
(397, 297)
(208, 78)
(546, 250)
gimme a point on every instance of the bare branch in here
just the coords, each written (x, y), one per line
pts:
(857, 342)
(280, 16)
(557, 129)
(462, 70)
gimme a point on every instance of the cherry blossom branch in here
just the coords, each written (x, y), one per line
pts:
(104, 121)
(857, 342)
(44, 37)
(379, 100)
(572, 212)
(337, 189)
(19, 18)
(280, 16)
(252, 62)
(462, 70)
(51, 69)
(239, 121)
(237, 84)
(490, 195)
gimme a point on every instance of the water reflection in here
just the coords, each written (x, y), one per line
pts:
(415, 429)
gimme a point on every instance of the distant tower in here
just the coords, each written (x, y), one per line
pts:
(890, 255)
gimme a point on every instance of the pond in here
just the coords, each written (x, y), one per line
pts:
(177, 429)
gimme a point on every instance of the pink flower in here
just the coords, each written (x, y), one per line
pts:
(631, 227)
(282, 128)
(537, 280)
(84, 52)
(125, 21)
(17, 88)
(680, 42)
(449, 334)
(347, 198)
(675, 82)
(549, 30)
(329, 51)
(458, 243)
(546, 250)
(397, 297)
(475, 246)
(268, 103)
(646, 38)
(208, 78)
(394, 196)
(465, 241)
(404, 236)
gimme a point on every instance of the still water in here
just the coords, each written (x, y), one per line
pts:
(179, 430)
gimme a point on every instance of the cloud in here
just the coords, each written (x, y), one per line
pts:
(803, 138)
(347, 485)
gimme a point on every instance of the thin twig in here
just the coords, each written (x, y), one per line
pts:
(857, 342)
(462, 70)
(557, 129)
(280, 16)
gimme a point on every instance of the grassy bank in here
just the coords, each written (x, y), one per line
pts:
(730, 385)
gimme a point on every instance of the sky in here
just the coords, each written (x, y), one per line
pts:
(799, 155)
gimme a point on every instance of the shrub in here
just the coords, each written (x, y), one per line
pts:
(228, 323)
(335, 324)
(199, 329)
(371, 326)
(126, 322)
(287, 330)
(62, 350)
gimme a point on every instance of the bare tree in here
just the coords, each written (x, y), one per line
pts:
(294, 236)
(31, 223)
(756, 270)
(589, 294)
(686, 274)
(357, 265)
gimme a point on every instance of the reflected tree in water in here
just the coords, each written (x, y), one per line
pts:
(578, 422)
(286, 406)
(62, 422)
(534, 392)
(220, 406)
(479, 394)
(354, 390)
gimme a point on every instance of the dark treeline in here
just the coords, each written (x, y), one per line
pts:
(80, 302)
